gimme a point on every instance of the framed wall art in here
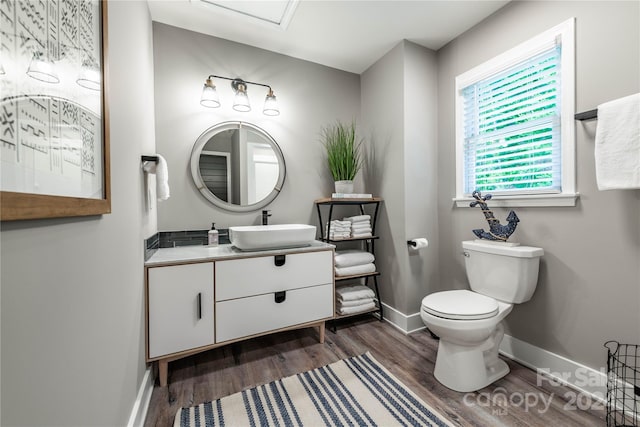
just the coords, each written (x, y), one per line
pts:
(54, 121)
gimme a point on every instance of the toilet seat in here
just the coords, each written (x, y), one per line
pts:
(460, 305)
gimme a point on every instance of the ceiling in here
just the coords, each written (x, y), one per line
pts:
(347, 35)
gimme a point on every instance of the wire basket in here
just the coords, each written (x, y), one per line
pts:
(623, 384)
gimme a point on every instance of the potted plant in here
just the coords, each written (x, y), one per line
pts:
(343, 154)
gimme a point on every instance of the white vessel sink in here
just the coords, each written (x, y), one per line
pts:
(277, 236)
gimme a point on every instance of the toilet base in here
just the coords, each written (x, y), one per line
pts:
(470, 368)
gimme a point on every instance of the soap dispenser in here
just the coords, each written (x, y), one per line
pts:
(213, 235)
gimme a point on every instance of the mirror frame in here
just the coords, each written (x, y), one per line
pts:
(204, 190)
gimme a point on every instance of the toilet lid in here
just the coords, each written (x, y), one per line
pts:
(460, 305)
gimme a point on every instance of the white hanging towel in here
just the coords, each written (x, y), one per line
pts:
(162, 176)
(617, 146)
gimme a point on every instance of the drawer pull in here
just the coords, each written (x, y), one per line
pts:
(280, 296)
(279, 260)
(199, 305)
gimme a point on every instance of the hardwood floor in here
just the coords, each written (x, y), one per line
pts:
(515, 400)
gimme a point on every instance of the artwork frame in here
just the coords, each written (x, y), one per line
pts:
(26, 204)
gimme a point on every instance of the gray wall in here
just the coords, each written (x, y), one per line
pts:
(72, 290)
(589, 286)
(310, 96)
(399, 110)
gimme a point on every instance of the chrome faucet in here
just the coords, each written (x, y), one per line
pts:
(265, 217)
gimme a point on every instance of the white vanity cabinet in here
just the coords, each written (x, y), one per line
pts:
(198, 300)
(180, 308)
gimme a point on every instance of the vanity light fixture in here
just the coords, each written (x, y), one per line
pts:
(241, 100)
(42, 69)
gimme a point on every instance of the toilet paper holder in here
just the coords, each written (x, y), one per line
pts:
(418, 243)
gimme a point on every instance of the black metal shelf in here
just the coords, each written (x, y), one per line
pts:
(348, 239)
(368, 241)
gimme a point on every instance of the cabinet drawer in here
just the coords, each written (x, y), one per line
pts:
(240, 278)
(242, 317)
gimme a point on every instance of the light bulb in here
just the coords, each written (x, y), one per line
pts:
(209, 96)
(241, 101)
(271, 105)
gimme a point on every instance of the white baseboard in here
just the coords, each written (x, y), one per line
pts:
(407, 324)
(141, 405)
(556, 368)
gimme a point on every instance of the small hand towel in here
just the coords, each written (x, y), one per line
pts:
(352, 257)
(354, 292)
(356, 309)
(354, 303)
(162, 179)
(358, 218)
(617, 146)
(356, 269)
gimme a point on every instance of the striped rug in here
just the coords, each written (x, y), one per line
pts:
(352, 392)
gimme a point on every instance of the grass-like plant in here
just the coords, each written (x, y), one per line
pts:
(343, 151)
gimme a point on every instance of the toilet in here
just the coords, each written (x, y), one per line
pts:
(468, 322)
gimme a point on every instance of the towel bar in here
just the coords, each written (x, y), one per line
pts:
(587, 115)
(150, 159)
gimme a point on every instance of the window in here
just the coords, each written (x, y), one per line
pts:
(515, 124)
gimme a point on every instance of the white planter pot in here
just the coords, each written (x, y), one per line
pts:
(344, 186)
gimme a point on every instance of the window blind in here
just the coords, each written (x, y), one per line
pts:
(512, 128)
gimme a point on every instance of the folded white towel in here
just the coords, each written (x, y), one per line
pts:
(358, 218)
(340, 227)
(360, 235)
(356, 269)
(162, 179)
(354, 292)
(356, 309)
(339, 236)
(354, 303)
(617, 146)
(361, 230)
(341, 231)
(360, 225)
(352, 257)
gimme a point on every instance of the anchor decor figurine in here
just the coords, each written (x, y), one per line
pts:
(497, 231)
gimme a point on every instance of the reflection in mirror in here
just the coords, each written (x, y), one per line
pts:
(237, 166)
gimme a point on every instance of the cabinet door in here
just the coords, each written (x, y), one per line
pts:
(180, 308)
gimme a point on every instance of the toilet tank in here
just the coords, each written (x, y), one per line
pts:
(505, 271)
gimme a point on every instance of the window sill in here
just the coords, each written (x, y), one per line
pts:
(524, 201)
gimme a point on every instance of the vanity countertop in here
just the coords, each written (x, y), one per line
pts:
(185, 254)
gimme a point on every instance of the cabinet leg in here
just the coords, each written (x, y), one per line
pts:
(321, 328)
(163, 371)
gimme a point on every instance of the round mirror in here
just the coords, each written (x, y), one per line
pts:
(237, 166)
